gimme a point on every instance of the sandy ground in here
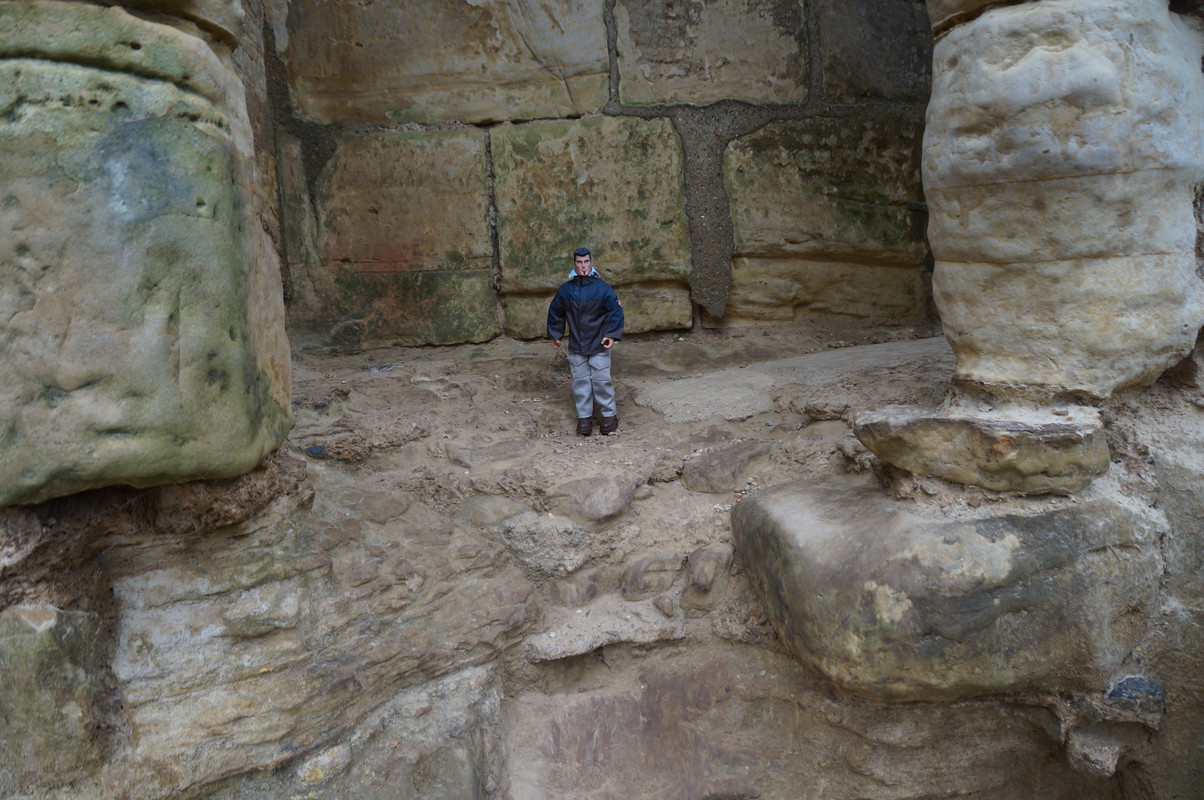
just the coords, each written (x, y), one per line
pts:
(448, 422)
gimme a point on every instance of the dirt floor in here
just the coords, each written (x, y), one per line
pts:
(497, 418)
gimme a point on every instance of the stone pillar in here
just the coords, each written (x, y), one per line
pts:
(1064, 142)
(141, 317)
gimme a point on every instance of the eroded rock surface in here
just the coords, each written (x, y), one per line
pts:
(703, 52)
(560, 185)
(155, 351)
(1060, 159)
(824, 218)
(890, 602)
(996, 449)
(432, 61)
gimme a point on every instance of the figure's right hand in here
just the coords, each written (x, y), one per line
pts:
(556, 343)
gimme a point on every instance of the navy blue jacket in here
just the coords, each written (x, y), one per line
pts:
(592, 310)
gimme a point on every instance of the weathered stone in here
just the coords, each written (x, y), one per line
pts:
(50, 663)
(439, 740)
(998, 450)
(1085, 118)
(586, 586)
(822, 221)
(596, 498)
(155, 353)
(887, 600)
(743, 722)
(404, 267)
(432, 61)
(605, 621)
(707, 571)
(562, 185)
(488, 511)
(547, 544)
(719, 471)
(876, 49)
(1172, 761)
(484, 454)
(650, 574)
(766, 288)
(703, 51)
(943, 13)
(260, 641)
(227, 16)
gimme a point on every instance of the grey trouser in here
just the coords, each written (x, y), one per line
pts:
(591, 383)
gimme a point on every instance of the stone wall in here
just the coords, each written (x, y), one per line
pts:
(741, 160)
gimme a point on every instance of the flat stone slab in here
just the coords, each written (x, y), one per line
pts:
(896, 600)
(740, 392)
(1045, 454)
(608, 620)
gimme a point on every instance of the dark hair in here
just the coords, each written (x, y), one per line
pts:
(581, 251)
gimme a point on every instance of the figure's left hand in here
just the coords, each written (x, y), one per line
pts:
(607, 342)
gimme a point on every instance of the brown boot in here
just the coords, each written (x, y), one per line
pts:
(609, 425)
(585, 426)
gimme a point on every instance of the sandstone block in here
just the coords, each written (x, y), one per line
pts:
(789, 288)
(432, 61)
(598, 183)
(48, 695)
(155, 352)
(710, 50)
(821, 218)
(404, 267)
(875, 49)
(1089, 325)
(649, 574)
(887, 600)
(1058, 455)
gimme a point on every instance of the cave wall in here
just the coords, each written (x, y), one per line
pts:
(732, 161)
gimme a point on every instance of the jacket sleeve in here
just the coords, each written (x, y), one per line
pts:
(614, 316)
(556, 317)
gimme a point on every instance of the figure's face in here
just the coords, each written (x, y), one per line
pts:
(583, 264)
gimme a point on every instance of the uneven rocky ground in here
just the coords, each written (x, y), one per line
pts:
(644, 666)
(453, 596)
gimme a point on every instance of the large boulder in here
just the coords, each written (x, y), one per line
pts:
(892, 601)
(143, 321)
